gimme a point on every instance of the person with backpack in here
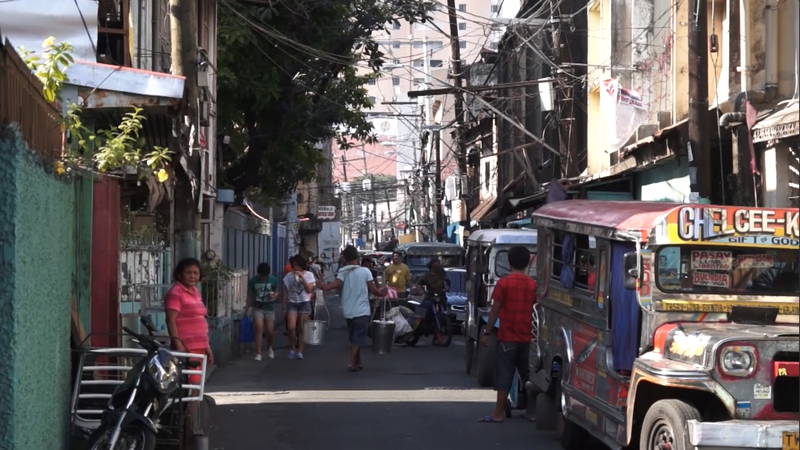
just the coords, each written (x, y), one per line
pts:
(512, 302)
(355, 283)
(261, 295)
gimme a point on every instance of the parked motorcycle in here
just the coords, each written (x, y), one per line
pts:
(433, 319)
(151, 394)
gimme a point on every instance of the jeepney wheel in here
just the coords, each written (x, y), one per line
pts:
(571, 435)
(469, 354)
(664, 426)
(546, 411)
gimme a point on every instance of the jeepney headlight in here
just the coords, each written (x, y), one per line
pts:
(738, 361)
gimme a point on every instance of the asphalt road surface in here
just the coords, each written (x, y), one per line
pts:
(412, 398)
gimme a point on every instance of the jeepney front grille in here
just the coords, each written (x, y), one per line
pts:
(787, 389)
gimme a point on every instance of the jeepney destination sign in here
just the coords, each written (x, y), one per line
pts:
(733, 225)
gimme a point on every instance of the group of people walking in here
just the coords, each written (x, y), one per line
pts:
(302, 284)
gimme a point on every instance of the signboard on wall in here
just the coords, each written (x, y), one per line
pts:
(326, 212)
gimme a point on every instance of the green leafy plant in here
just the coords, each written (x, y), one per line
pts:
(117, 148)
(50, 67)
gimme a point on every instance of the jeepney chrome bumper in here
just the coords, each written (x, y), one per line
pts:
(740, 433)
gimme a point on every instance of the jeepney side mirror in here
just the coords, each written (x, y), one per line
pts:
(631, 263)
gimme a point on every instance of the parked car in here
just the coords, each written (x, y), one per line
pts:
(487, 262)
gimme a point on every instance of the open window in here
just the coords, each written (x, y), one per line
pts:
(574, 260)
(112, 32)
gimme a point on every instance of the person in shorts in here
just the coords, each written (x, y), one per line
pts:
(261, 296)
(355, 283)
(299, 285)
(512, 302)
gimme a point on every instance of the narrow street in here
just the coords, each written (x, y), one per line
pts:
(411, 398)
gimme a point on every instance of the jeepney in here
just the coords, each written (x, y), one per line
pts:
(668, 326)
(417, 255)
(487, 262)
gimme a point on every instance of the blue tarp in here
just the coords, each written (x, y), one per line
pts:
(624, 311)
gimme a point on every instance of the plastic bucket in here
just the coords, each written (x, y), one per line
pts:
(314, 332)
(382, 336)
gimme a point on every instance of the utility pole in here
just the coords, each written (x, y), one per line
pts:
(372, 194)
(438, 195)
(699, 148)
(389, 208)
(458, 107)
(188, 187)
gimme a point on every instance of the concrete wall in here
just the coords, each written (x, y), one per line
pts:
(42, 239)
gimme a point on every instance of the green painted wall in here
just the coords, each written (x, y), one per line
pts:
(667, 182)
(43, 242)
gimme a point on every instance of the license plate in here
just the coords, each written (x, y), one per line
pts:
(790, 440)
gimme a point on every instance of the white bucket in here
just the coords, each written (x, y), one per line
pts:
(314, 332)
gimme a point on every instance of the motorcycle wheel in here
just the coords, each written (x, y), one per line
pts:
(445, 332)
(132, 437)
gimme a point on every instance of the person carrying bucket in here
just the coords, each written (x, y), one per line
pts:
(355, 283)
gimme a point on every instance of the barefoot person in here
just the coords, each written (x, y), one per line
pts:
(355, 283)
(299, 285)
(512, 303)
(261, 295)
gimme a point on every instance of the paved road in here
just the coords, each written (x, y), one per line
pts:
(412, 398)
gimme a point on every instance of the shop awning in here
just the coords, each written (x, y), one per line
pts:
(483, 208)
(778, 125)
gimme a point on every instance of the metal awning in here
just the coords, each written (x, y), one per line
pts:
(778, 125)
(483, 208)
(107, 86)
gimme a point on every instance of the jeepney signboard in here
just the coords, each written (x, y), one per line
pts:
(755, 262)
(729, 225)
(712, 260)
(712, 279)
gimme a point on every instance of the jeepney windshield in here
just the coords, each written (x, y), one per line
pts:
(422, 261)
(728, 270)
(502, 267)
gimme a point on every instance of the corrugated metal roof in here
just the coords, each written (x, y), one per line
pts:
(621, 216)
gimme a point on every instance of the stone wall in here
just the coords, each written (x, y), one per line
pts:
(42, 228)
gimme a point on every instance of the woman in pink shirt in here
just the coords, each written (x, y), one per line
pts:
(186, 313)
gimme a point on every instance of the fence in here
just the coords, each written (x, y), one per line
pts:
(145, 276)
(21, 102)
(224, 297)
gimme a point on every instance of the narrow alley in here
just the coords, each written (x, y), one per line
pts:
(411, 398)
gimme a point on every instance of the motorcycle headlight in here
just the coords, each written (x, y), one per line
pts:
(163, 369)
(738, 361)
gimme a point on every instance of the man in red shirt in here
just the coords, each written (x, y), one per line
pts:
(512, 303)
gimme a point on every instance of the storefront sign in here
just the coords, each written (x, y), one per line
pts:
(712, 279)
(712, 260)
